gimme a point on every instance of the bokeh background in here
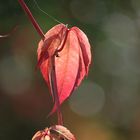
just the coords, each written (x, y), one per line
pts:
(107, 104)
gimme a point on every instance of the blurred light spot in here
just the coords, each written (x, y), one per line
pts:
(88, 99)
(119, 53)
(132, 56)
(125, 98)
(93, 131)
(89, 11)
(121, 30)
(125, 91)
(136, 5)
(108, 57)
(15, 74)
(136, 8)
(116, 60)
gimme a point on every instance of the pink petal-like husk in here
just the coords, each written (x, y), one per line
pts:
(81, 71)
(47, 48)
(67, 65)
(85, 47)
(72, 63)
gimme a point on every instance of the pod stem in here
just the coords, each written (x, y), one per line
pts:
(32, 19)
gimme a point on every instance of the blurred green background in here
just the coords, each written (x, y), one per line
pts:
(107, 104)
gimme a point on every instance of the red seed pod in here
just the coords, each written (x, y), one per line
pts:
(43, 135)
(56, 132)
(70, 50)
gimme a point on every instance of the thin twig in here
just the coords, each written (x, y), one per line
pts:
(9, 33)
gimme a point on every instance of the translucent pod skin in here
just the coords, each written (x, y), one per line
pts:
(70, 49)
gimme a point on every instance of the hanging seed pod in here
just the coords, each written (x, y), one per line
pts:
(61, 133)
(56, 132)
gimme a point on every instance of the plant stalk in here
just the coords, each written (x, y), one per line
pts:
(32, 19)
(55, 90)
